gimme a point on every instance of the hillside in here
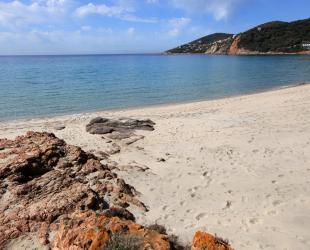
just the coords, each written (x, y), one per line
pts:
(203, 44)
(268, 38)
(276, 37)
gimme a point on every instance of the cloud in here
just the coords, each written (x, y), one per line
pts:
(131, 31)
(84, 40)
(177, 25)
(220, 9)
(102, 9)
(122, 12)
(17, 14)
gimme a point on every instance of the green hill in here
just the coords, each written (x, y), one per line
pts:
(276, 37)
(200, 45)
(273, 37)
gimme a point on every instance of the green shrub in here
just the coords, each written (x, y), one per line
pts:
(123, 242)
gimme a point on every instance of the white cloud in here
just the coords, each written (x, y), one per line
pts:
(220, 9)
(102, 9)
(80, 41)
(131, 31)
(179, 22)
(123, 12)
(177, 25)
(86, 28)
(17, 14)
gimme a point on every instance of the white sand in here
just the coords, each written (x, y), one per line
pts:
(238, 167)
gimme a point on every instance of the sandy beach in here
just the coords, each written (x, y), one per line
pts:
(238, 167)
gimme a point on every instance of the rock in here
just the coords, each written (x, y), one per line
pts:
(88, 230)
(125, 126)
(59, 127)
(203, 240)
(98, 129)
(113, 149)
(42, 178)
(98, 120)
(101, 155)
(120, 135)
(133, 139)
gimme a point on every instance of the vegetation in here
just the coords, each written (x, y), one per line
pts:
(123, 242)
(277, 37)
(200, 45)
(158, 228)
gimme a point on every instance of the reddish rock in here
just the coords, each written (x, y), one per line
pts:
(234, 48)
(70, 200)
(91, 231)
(42, 178)
(205, 241)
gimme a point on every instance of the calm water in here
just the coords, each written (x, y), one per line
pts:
(45, 85)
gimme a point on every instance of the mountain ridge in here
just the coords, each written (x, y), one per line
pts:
(275, 37)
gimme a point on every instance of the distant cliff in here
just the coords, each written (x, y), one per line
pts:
(215, 43)
(269, 38)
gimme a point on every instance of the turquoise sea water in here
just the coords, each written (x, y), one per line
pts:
(33, 86)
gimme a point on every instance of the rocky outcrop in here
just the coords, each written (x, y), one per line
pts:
(233, 49)
(101, 125)
(203, 240)
(56, 196)
(91, 231)
(43, 178)
(219, 47)
(119, 129)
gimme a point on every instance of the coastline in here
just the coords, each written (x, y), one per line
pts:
(99, 111)
(253, 53)
(236, 166)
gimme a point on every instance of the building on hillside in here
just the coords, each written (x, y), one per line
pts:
(306, 44)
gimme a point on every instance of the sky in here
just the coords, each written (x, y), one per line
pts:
(32, 27)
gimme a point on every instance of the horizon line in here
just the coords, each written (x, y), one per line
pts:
(86, 54)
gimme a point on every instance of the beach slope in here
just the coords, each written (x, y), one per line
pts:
(238, 167)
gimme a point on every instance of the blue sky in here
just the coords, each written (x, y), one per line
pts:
(129, 26)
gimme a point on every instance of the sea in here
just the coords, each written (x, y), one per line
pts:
(40, 86)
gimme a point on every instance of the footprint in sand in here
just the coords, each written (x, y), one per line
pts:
(272, 212)
(200, 216)
(164, 208)
(276, 203)
(253, 221)
(182, 203)
(228, 204)
(167, 216)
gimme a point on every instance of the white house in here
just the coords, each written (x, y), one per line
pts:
(306, 44)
